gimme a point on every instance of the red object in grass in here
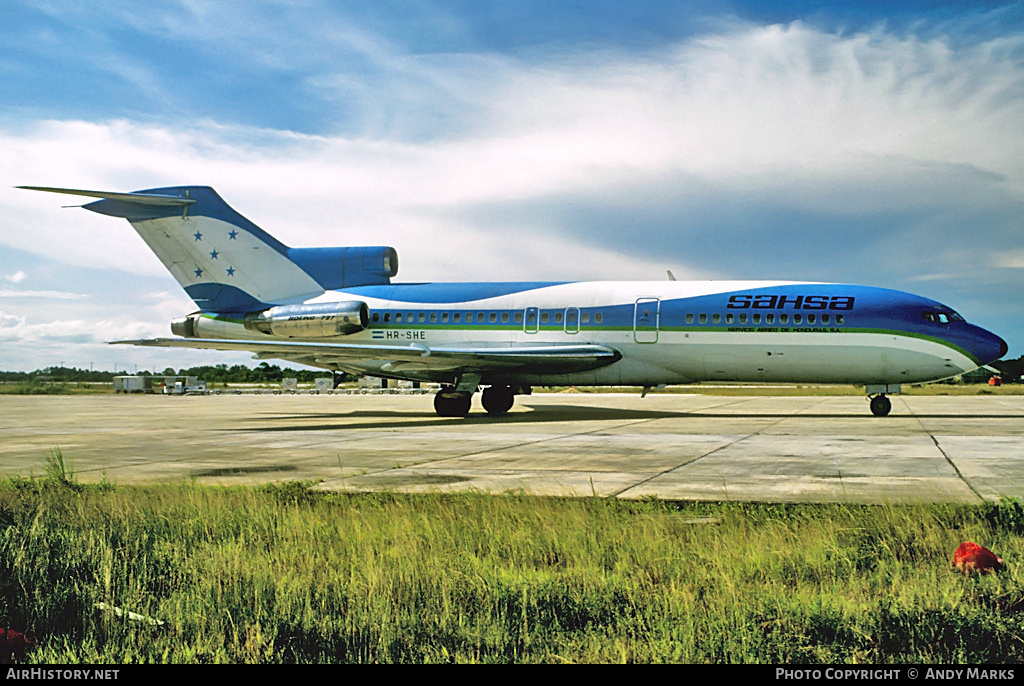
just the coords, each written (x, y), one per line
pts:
(971, 557)
(13, 645)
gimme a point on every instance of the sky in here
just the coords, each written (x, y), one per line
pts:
(875, 143)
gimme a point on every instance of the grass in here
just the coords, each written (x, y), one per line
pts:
(33, 388)
(283, 574)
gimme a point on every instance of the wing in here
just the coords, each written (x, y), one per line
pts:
(538, 359)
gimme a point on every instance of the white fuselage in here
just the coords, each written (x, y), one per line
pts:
(666, 332)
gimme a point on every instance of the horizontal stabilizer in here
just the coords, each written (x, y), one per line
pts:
(137, 198)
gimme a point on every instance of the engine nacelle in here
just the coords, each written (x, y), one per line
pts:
(335, 268)
(320, 320)
(185, 327)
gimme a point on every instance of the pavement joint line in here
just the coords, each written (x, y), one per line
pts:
(526, 443)
(947, 457)
(701, 457)
(501, 449)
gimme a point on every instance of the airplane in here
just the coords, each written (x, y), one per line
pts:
(336, 308)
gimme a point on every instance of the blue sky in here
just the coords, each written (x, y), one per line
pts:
(871, 143)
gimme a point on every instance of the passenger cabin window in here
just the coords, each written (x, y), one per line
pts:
(387, 317)
(480, 316)
(433, 317)
(376, 317)
(811, 319)
(840, 319)
(728, 318)
(585, 318)
(743, 318)
(824, 319)
(422, 317)
(504, 317)
(598, 317)
(703, 318)
(689, 319)
(444, 316)
(457, 317)
(492, 317)
(398, 316)
(543, 317)
(769, 318)
(797, 318)
(783, 319)
(716, 319)
(755, 318)
(519, 317)
(558, 317)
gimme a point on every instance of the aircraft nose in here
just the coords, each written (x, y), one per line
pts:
(991, 347)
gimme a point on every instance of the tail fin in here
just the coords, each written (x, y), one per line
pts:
(225, 262)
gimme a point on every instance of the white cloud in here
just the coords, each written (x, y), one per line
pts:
(777, 112)
(57, 295)
(16, 277)
(14, 328)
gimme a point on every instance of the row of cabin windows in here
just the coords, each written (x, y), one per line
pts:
(784, 318)
(584, 318)
(482, 317)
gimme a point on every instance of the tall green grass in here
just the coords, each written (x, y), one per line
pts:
(280, 574)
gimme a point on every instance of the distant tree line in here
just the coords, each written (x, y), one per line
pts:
(221, 373)
(1012, 371)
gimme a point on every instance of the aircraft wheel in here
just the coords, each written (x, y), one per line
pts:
(880, 406)
(451, 403)
(498, 399)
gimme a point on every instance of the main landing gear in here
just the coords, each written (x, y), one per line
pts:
(498, 399)
(880, 405)
(451, 402)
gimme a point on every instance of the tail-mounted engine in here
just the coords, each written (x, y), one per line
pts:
(319, 320)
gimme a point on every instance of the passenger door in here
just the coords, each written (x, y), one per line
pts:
(646, 320)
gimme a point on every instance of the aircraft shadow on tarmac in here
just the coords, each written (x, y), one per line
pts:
(547, 414)
(394, 420)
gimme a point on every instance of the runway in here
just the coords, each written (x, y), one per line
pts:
(670, 446)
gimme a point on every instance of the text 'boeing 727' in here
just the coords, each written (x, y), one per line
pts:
(336, 308)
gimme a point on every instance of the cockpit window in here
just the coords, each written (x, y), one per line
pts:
(941, 317)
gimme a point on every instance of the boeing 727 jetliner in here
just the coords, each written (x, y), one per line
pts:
(336, 308)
